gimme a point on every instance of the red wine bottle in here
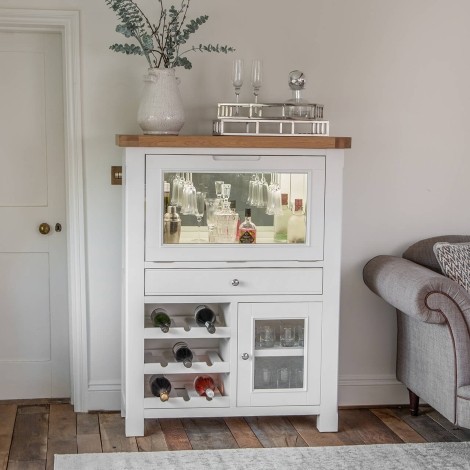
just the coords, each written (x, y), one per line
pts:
(183, 354)
(205, 316)
(205, 386)
(160, 387)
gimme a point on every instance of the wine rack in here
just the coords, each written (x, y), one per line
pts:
(248, 287)
(204, 362)
(183, 395)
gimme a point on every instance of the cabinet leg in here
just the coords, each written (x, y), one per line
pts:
(134, 427)
(414, 403)
(327, 421)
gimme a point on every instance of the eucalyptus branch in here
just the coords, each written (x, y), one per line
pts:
(160, 42)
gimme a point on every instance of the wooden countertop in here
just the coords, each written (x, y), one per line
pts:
(226, 141)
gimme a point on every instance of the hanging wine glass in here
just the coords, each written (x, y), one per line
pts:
(237, 79)
(256, 77)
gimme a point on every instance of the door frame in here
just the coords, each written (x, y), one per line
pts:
(67, 23)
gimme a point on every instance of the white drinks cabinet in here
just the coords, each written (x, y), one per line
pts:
(275, 346)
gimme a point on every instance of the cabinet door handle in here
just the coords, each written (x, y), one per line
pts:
(235, 282)
(245, 356)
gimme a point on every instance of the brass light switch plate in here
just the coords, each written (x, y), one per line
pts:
(116, 175)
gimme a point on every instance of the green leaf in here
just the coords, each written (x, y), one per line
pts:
(182, 62)
(129, 49)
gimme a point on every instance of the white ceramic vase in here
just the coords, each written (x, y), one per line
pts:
(161, 108)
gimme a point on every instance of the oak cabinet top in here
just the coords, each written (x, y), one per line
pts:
(210, 141)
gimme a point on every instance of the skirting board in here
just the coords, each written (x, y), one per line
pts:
(371, 390)
(354, 390)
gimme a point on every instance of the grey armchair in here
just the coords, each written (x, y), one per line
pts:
(433, 314)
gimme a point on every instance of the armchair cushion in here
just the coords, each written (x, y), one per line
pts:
(454, 260)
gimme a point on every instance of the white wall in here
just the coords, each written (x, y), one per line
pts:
(393, 75)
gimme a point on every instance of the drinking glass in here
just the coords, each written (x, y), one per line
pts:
(177, 190)
(237, 78)
(283, 377)
(251, 185)
(287, 336)
(266, 377)
(199, 213)
(274, 202)
(300, 336)
(188, 205)
(266, 337)
(256, 77)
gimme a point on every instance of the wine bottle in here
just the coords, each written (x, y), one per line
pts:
(160, 387)
(205, 386)
(160, 319)
(183, 354)
(247, 229)
(296, 225)
(205, 316)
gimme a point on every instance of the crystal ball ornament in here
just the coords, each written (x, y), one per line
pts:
(296, 80)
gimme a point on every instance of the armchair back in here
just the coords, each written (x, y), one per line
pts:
(422, 253)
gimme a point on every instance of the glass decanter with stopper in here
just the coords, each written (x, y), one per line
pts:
(297, 107)
(226, 223)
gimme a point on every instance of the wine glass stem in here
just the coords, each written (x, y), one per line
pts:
(237, 94)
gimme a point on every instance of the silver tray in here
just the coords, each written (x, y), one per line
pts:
(295, 111)
(270, 127)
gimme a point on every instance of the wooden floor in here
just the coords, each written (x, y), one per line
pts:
(30, 434)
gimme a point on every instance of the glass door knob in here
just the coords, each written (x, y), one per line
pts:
(245, 356)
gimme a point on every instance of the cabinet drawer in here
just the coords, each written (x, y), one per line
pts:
(234, 281)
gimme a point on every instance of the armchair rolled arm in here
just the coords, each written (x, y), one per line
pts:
(409, 287)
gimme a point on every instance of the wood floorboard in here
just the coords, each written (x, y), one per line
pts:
(7, 424)
(29, 441)
(27, 465)
(209, 433)
(175, 435)
(242, 433)
(367, 428)
(154, 439)
(306, 427)
(427, 427)
(113, 437)
(88, 434)
(275, 431)
(403, 430)
(460, 433)
(30, 435)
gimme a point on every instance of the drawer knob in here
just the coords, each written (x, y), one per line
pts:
(245, 356)
(235, 282)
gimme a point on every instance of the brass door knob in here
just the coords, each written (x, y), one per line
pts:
(44, 228)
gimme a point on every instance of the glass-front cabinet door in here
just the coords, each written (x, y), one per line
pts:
(279, 348)
(234, 208)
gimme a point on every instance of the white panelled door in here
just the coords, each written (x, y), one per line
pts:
(34, 338)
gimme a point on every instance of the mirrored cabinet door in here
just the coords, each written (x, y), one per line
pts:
(279, 347)
(270, 205)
